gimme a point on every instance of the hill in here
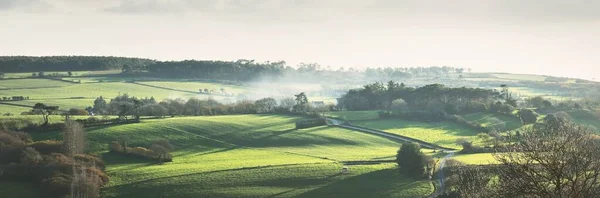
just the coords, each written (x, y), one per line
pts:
(249, 156)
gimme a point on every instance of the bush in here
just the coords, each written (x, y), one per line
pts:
(75, 111)
(47, 147)
(308, 123)
(528, 116)
(411, 160)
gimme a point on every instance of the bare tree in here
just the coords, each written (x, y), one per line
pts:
(551, 161)
(73, 138)
(162, 148)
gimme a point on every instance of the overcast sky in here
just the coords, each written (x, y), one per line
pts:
(554, 37)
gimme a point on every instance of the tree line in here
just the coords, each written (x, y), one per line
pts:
(434, 97)
(131, 107)
(69, 63)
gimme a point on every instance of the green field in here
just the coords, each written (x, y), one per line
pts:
(476, 159)
(63, 96)
(251, 156)
(29, 83)
(524, 77)
(353, 115)
(510, 123)
(15, 110)
(442, 133)
(195, 86)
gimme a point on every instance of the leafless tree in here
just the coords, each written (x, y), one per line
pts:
(551, 161)
(73, 138)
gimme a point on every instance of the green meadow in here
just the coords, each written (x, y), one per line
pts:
(353, 115)
(251, 156)
(440, 133)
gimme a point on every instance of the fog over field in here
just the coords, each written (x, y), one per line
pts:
(552, 37)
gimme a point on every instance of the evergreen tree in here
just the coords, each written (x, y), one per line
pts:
(411, 160)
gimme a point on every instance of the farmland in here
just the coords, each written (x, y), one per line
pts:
(441, 133)
(487, 120)
(353, 115)
(251, 155)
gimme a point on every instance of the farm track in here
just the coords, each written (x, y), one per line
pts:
(424, 144)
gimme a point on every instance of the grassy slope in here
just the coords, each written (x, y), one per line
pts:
(15, 110)
(475, 159)
(443, 133)
(61, 95)
(511, 123)
(251, 156)
(29, 83)
(195, 86)
(354, 115)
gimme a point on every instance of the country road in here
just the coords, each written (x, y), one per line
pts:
(451, 152)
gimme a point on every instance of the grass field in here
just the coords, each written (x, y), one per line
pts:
(442, 133)
(195, 86)
(251, 156)
(353, 115)
(15, 110)
(62, 96)
(484, 119)
(525, 77)
(476, 159)
(29, 83)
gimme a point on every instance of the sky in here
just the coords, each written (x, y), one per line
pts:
(550, 37)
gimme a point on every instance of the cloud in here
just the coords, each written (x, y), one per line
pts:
(536, 10)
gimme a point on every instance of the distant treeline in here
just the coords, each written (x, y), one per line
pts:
(240, 70)
(70, 63)
(226, 70)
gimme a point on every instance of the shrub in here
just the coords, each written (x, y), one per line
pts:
(75, 111)
(308, 123)
(411, 160)
(47, 147)
(528, 116)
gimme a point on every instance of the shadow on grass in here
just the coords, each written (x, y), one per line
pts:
(382, 183)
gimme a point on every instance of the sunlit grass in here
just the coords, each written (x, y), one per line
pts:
(251, 156)
(353, 115)
(442, 133)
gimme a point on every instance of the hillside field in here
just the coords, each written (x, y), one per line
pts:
(442, 133)
(250, 156)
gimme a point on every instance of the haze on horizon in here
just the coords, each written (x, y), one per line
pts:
(550, 37)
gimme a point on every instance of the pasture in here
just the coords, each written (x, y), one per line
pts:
(475, 159)
(440, 133)
(251, 156)
(490, 120)
(353, 115)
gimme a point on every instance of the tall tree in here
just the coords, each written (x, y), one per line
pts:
(301, 102)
